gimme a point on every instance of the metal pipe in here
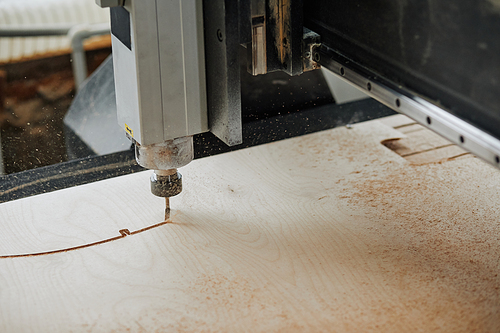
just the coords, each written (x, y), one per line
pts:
(35, 30)
(77, 34)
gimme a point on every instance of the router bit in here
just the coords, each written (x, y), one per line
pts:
(167, 208)
(166, 183)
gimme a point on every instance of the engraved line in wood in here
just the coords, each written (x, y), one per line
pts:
(123, 233)
(427, 150)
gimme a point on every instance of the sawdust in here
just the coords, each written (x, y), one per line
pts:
(446, 219)
(35, 96)
(224, 303)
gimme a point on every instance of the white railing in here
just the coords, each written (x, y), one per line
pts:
(40, 14)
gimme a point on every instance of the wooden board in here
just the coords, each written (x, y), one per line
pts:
(420, 145)
(327, 232)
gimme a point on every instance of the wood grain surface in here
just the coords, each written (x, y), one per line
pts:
(329, 232)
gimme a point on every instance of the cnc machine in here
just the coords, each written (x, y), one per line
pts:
(177, 73)
(183, 73)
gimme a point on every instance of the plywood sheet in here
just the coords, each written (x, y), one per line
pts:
(77, 216)
(327, 232)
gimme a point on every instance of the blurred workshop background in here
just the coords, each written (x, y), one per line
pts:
(39, 43)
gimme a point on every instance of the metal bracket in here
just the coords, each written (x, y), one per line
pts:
(222, 43)
(311, 42)
(276, 37)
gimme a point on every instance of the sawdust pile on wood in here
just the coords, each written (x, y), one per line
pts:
(446, 219)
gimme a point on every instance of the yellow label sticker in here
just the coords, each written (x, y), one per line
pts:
(129, 130)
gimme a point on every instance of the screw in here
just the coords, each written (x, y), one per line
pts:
(219, 35)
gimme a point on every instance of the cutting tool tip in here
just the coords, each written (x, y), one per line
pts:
(167, 209)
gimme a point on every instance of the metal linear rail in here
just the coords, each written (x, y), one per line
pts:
(427, 114)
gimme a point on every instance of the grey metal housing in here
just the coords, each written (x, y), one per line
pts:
(160, 79)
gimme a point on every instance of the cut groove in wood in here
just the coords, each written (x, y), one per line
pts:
(426, 150)
(420, 145)
(405, 125)
(123, 233)
(459, 155)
